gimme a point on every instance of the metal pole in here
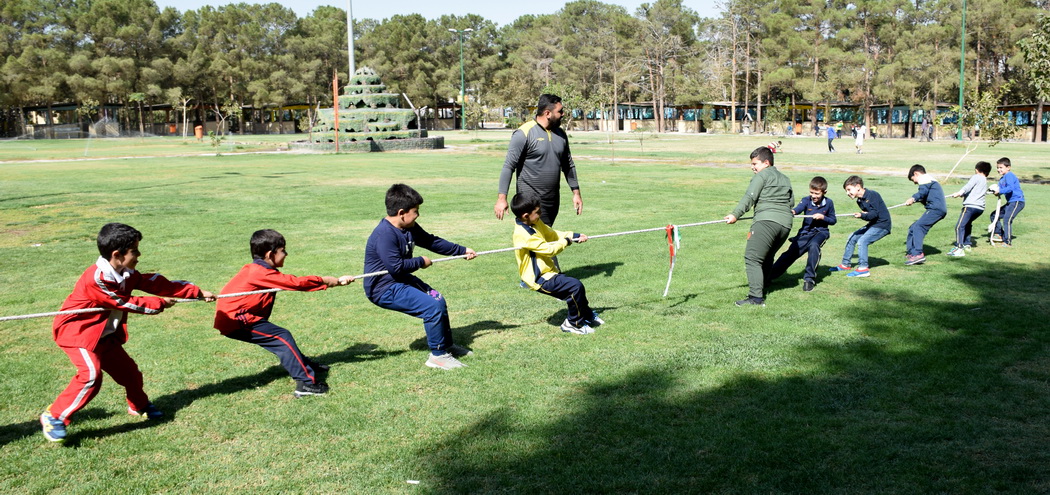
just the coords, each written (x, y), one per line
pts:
(350, 37)
(462, 87)
(462, 79)
(962, 64)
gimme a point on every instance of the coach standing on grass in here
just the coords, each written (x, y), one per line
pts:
(771, 196)
(539, 155)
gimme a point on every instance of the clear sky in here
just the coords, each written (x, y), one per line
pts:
(501, 12)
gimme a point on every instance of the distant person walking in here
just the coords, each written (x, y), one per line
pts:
(539, 154)
(831, 137)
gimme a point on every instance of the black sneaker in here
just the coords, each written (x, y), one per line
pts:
(303, 389)
(807, 286)
(751, 301)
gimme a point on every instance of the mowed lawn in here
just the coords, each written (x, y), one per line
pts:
(924, 379)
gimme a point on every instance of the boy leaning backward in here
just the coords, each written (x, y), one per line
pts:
(247, 318)
(537, 246)
(389, 248)
(820, 213)
(973, 206)
(1009, 187)
(874, 210)
(932, 195)
(94, 341)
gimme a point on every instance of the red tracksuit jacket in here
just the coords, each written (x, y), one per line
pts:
(235, 313)
(102, 287)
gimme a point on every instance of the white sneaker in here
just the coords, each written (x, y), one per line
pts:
(581, 330)
(957, 252)
(597, 320)
(444, 362)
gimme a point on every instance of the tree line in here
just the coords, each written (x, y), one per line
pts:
(132, 54)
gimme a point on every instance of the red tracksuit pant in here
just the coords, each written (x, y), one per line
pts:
(109, 356)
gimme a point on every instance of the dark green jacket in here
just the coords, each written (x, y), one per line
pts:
(770, 195)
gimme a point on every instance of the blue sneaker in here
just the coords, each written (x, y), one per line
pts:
(859, 272)
(54, 428)
(148, 412)
(840, 268)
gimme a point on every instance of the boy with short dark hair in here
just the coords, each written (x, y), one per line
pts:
(247, 318)
(973, 206)
(1009, 187)
(820, 213)
(389, 248)
(931, 195)
(537, 245)
(874, 210)
(770, 194)
(94, 341)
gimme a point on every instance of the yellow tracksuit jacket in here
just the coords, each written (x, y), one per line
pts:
(537, 244)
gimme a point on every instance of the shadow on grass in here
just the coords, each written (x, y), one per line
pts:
(17, 431)
(930, 396)
(172, 403)
(585, 272)
(465, 336)
(558, 317)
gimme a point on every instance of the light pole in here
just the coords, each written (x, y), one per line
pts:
(962, 65)
(350, 38)
(462, 84)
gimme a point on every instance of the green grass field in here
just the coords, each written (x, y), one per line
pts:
(925, 379)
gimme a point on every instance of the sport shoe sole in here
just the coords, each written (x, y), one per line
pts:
(750, 301)
(859, 274)
(573, 329)
(303, 390)
(147, 414)
(443, 362)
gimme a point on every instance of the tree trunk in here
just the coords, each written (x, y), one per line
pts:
(758, 106)
(1037, 134)
(933, 113)
(185, 121)
(50, 122)
(889, 120)
(663, 94)
(813, 115)
(616, 96)
(22, 118)
(747, 78)
(142, 122)
(652, 88)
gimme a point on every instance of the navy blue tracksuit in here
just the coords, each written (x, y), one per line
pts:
(931, 195)
(811, 236)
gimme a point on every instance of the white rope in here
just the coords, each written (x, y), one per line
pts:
(968, 151)
(995, 220)
(356, 277)
(850, 214)
(40, 315)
